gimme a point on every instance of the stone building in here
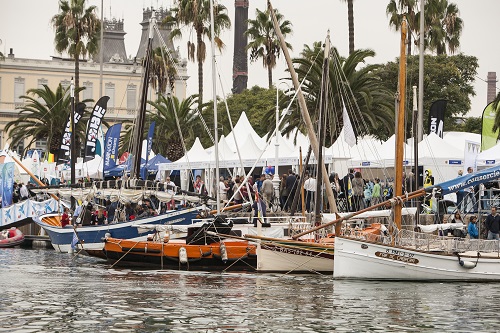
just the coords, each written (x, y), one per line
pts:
(121, 77)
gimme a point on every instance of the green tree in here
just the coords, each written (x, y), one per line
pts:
(195, 16)
(163, 71)
(471, 125)
(256, 102)
(350, 19)
(370, 105)
(496, 106)
(77, 31)
(445, 77)
(396, 10)
(168, 140)
(443, 26)
(43, 116)
(264, 42)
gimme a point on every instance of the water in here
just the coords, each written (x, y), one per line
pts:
(45, 291)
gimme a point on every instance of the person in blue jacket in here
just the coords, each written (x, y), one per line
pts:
(472, 228)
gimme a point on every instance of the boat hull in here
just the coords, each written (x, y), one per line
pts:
(92, 237)
(241, 255)
(287, 258)
(15, 238)
(358, 259)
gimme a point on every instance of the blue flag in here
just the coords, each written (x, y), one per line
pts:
(111, 146)
(144, 170)
(7, 183)
(74, 241)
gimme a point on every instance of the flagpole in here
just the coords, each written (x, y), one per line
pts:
(73, 135)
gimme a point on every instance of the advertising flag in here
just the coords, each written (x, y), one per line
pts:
(144, 170)
(488, 137)
(349, 135)
(111, 146)
(64, 151)
(93, 127)
(436, 117)
(7, 183)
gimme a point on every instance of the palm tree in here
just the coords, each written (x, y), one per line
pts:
(195, 15)
(350, 18)
(163, 71)
(168, 141)
(43, 116)
(77, 32)
(265, 43)
(396, 10)
(374, 113)
(443, 26)
(495, 106)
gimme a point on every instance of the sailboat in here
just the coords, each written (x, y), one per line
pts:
(407, 253)
(91, 237)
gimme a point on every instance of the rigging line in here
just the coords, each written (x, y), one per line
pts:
(351, 103)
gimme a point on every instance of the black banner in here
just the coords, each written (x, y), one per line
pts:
(64, 151)
(436, 117)
(93, 127)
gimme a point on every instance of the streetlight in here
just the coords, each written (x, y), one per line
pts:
(276, 179)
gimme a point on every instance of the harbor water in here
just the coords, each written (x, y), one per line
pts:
(45, 291)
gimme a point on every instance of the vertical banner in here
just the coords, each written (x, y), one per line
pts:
(144, 170)
(436, 117)
(35, 166)
(471, 151)
(111, 146)
(65, 150)
(349, 135)
(488, 137)
(7, 183)
(93, 127)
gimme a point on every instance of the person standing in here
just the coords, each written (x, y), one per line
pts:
(290, 185)
(493, 224)
(65, 218)
(199, 186)
(472, 228)
(267, 190)
(376, 193)
(347, 189)
(223, 188)
(23, 192)
(230, 184)
(460, 194)
(238, 198)
(358, 188)
(310, 188)
(169, 188)
(469, 201)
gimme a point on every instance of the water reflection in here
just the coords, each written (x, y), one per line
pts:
(48, 291)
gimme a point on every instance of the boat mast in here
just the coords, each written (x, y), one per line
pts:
(400, 119)
(73, 141)
(139, 125)
(304, 111)
(321, 129)
(214, 89)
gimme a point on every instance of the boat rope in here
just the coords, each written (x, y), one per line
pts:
(240, 259)
(123, 256)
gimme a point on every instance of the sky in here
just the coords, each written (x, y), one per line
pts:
(25, 27)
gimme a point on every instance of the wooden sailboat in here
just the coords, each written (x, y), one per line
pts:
(406, 254)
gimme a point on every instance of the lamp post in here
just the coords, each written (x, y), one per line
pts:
(276, 179)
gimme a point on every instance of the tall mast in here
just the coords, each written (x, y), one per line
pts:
(304, 111)
(214, 89)
(321, 129)
(139, 125)
(400, 119)
(73, 134)
(421, 74)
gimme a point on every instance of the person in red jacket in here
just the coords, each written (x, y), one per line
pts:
(65, 218)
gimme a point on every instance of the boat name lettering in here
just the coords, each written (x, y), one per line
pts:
(397, 257)
(175, 221)
(400, 253)
(296, 252)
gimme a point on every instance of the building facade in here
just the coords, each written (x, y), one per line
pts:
(121, 79)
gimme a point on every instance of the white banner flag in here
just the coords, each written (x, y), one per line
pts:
(349, 135)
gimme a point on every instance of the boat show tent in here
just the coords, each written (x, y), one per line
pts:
(241, 130)
(489, 157)
(195, 158)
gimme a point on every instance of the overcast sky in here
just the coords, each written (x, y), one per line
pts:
(25, 27)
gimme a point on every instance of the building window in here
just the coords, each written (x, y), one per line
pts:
(88, 92)
(110, 91)
(18, 90)
(40, 84)
(131, 96)
(65, 84)
(41, 144)
(19, 148)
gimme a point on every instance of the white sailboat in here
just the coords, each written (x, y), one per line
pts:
(406, 254)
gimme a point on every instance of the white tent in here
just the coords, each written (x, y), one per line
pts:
(286, 153)
(489, 157)
(195, 158)
(241, 130)
(458, 139)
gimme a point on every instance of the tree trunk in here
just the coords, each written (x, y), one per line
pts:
(270, 76)
(350, 15)
(200, 69)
